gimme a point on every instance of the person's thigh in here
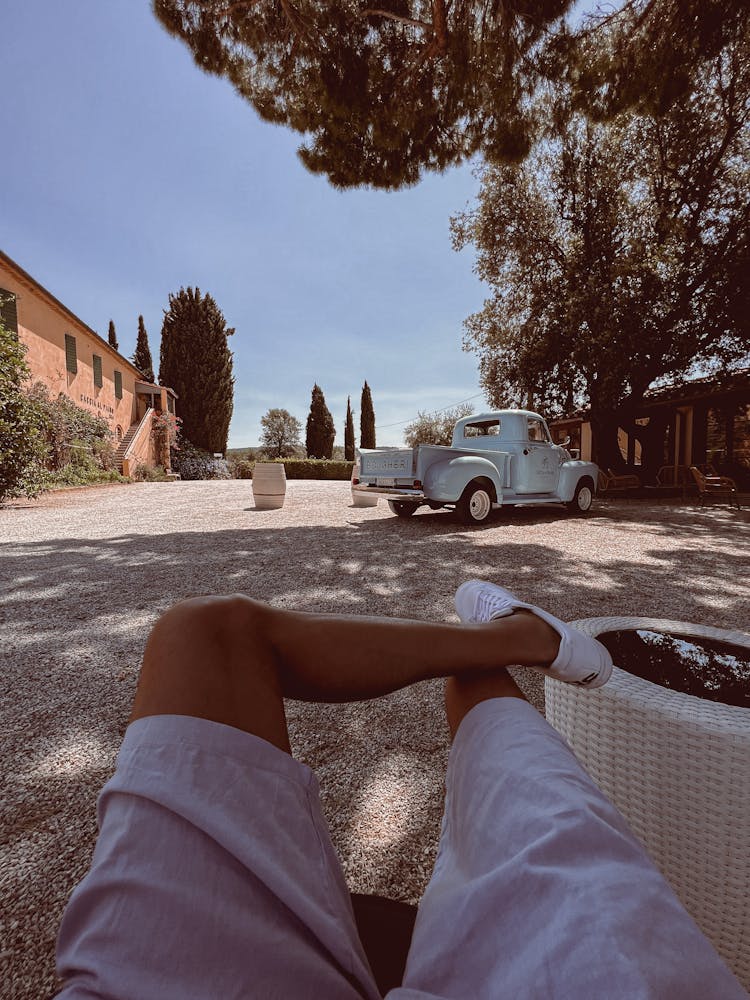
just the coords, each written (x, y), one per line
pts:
(540, 890)
(213, 876)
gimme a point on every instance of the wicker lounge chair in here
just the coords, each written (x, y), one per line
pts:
(715, 487)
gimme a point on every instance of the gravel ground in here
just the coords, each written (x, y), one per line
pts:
(84, 574)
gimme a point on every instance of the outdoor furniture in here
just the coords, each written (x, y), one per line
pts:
(673, 475)
(715, 487)
(676, 767)
(610, 481)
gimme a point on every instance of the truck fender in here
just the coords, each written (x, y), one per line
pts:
(445, 481)
(571, 473)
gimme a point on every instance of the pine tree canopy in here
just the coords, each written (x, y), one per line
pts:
(196, 362)
(366, 419)
(384, 92)
(321, 429)
(349, 432)
(112, 336)
(142, 357)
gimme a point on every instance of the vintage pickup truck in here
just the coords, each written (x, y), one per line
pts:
(506, 457)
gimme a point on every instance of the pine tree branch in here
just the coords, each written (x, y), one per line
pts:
(225, 11)
(390, 16)
(441, 25)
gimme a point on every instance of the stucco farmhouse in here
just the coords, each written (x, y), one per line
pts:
(70, 358)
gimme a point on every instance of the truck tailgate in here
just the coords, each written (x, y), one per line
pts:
(380, 465)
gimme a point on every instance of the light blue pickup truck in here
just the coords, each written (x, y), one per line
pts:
(506, 457)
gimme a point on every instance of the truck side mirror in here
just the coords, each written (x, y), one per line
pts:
(566, 442)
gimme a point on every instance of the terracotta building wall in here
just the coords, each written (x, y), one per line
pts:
(42, 326)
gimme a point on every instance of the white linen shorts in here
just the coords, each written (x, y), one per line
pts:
(214, 876)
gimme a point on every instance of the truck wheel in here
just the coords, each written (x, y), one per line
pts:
(401, 509)
(582, 498)
(475, 506)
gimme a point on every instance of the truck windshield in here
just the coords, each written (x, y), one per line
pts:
(537, 430)
(481, 428)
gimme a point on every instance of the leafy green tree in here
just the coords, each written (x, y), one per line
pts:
(321, 429)
(112, 336)
(280, 436)
(196, 362)
(366, 419)
(435, 428)
(142, 357)
(617, 256)
(382, 93)
(349, 432)
(22, 448)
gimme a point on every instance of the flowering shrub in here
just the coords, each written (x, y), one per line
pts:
(165, 431)
(68, 429)
(195, 463)
(165, 427)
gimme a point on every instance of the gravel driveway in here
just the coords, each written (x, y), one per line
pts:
(84, 574)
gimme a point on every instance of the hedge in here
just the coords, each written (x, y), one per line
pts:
(315, 468)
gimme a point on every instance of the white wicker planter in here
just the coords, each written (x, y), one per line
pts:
(678, 768)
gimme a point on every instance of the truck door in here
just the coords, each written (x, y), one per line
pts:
(539, 463)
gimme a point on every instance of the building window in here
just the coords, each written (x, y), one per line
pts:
(71, 359)
(118, 385)
(8, 312)
(98, 380)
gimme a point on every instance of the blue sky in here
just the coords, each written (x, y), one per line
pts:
(127, 173)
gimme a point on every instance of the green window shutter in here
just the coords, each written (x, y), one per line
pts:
(8, 311)
(118, 385)
(98, 380)
(71, 360)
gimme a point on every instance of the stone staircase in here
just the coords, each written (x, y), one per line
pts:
(124, 445)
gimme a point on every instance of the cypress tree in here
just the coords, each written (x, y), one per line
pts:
(321, 429)
(366, 419)
(113, 336)
(349, 432)
(142, 357)
(196, 362)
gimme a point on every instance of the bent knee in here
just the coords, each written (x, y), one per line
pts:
(225, 621)
(210, 657)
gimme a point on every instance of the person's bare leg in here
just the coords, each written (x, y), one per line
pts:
(465, 691)
(233, 660)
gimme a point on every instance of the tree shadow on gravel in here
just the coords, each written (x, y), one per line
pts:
(75, 615)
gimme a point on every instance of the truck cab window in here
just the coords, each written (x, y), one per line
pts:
(482, 428)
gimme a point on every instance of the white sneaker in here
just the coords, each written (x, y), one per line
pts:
(580, 660)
